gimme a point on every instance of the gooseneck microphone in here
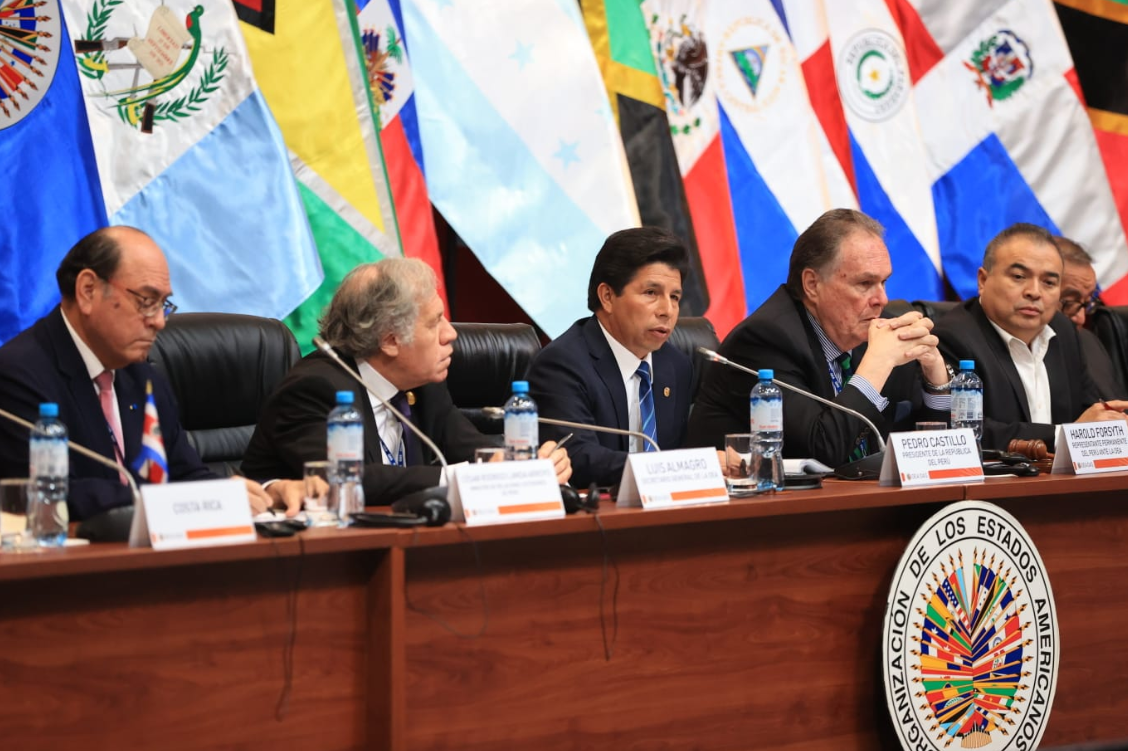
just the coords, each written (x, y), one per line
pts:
(866, 468)
(497, 412)
(323, 345)
(85, 452)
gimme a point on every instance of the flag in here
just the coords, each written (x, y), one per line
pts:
(151, 464)
(621, 44)
(52, 191)
(188, 152)
(312, 74)
(1097, 34)
(388, 65)
(523, 156)
(1007, 135)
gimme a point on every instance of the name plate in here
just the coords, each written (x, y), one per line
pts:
(1089, 448)
(192, 515)
(662, 479)
(931, 457)
(504, 492)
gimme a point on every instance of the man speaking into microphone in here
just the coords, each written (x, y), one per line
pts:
(616, 368)
(386, 321)
(822, 331)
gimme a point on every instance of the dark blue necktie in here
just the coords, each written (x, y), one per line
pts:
(649, 425)
(399, 401)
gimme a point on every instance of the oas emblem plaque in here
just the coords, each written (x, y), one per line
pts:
(970, 646)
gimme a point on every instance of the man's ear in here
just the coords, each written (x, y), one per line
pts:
(981, 277)
(390, 345)
(810, 279)
(606, 295)
(86, 288)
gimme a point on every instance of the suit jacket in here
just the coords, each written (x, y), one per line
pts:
(577, 378)
(966, 334)
(778, 335)
(42, 364)
(292, 430)
(1100, 366)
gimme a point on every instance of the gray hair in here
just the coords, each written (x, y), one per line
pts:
(1072, 252)
(817, 248)
(375, 300)
(1022, 229)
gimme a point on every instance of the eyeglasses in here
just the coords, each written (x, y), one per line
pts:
(1071, 306)
(147, 306)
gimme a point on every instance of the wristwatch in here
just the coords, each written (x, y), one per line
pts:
(942, 388)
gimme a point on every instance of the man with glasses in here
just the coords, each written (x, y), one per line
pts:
(1078, 301)
(89, 356)
(1027, 352)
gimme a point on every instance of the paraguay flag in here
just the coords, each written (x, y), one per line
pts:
(151, 464)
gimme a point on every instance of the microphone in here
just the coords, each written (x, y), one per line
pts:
(868, 467)
(111, 525)
(323, 345)
(498, 412)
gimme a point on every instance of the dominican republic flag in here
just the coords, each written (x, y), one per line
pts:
(151, 464)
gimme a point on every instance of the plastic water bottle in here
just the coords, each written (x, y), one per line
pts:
(521, 433)
(47, 515)
(967, 400)
(345, 432)
(766, 409)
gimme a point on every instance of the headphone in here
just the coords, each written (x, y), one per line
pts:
(423, 508)
(573, 503)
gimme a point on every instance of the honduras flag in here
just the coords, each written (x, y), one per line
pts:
(188, 152)
(51, 194)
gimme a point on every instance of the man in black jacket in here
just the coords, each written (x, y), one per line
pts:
(387, 321)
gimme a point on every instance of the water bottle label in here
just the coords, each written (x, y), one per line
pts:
(521, 431)
(967, 406)
(48, 458)
(346, 443)
(767, 415)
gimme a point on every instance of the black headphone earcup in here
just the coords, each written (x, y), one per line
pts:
(571, 498)
(436, 511)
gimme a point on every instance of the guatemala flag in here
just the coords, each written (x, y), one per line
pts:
(151, 464)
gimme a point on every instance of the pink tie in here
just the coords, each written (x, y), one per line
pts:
(105, 383)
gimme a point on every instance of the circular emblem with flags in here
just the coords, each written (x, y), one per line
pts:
(753, 60)
(970, 646)
(30, 35)
(873, 75)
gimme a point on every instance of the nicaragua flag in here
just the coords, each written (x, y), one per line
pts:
(393, 94)
(523, 155)
(1008, 136)
(51, 193)
(151, 464)
(188, 152)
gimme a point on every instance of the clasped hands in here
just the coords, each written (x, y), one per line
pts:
(896, 341)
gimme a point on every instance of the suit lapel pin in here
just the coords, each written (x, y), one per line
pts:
(666, 391)
(411, 398)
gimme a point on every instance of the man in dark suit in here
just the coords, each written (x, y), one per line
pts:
(823, 332)
(1026, 352)
(1078, 300)
(387, 321)
(616, 368)
(88, 356)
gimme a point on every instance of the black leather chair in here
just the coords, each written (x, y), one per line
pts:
(487, 358)
(934, 309)
(690, 333)
(1110, 324)
(222, 367)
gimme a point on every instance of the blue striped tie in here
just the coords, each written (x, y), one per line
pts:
(646, 405)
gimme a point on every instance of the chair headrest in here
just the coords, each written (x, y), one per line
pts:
(487, 358)
(693, 332)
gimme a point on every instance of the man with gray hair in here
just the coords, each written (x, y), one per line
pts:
(387, 321)
(823, 332)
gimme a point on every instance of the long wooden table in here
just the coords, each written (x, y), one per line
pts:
(754, 624)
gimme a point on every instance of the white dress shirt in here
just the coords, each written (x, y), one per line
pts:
(628, 363)
(1030, 362)
(387, 425)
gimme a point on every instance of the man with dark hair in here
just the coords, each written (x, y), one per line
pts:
(1078, 301)
(822, 331)
(616, 367)
(89, 356)
(387, 322)
(1026, 351)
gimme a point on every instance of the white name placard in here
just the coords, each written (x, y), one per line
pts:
(661, 479)
(192, 515)
(504, 492)
(931, 457)
(1088, 448)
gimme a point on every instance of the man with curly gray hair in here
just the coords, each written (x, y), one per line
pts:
(387, 321)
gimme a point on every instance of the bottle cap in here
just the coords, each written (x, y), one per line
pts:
(345, 397)
(967, 364)
(48, 409)
(520, 387)
(766, 374)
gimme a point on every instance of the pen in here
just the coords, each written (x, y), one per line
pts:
(563, 440)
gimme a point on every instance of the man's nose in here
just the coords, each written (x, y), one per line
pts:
(448, 334)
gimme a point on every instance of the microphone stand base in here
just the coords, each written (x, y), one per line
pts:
(866, 468)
